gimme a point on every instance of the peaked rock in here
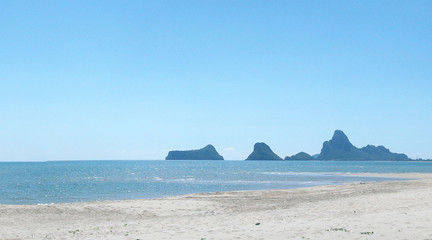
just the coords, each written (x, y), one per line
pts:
(262, 152)
(340, 148)
(206, 153)
(340, 140)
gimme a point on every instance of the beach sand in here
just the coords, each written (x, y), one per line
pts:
(384, 210)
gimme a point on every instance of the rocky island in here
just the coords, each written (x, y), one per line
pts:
(262, 152)
(206, 153)
(300, 156)
(340, 148)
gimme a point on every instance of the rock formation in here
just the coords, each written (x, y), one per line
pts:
(206, 153)
(340, 148)
(300, 156)
(262, 152)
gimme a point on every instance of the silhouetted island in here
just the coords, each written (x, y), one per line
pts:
(340, 148)
(262, 152)
(206, 153)
(300, 156)
(337, 148)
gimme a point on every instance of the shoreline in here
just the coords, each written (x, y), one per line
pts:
(388, 209)
(407, 176)
(371, 176)
(390, 176)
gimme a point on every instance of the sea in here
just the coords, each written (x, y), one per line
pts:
(83, 181)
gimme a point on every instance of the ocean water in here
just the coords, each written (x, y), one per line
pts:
(78, 181)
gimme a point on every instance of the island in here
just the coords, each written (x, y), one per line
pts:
(340, 148)
(300, 156)
(263, 152)
(206, 153)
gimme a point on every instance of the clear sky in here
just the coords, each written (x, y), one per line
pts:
(135, 79)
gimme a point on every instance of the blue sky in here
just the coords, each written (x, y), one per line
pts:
(135, 79)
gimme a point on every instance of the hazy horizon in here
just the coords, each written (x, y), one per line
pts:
(133, 80)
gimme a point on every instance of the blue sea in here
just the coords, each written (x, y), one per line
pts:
(79, 181)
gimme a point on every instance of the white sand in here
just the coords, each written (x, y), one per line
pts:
(385, 210)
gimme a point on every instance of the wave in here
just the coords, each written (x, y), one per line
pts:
(290, 173)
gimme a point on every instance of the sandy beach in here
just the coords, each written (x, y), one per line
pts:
(384, 210)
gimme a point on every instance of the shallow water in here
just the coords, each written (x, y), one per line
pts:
(76, 181)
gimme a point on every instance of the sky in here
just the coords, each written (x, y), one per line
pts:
(131, 80)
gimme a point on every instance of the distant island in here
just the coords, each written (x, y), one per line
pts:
(300, 156)
(263, 152)
(206, 153)
(340, 148)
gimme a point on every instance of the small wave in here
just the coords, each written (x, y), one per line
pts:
(305, 183)
(232, 182)
(304, 173)
(91, 177)
(181, 180)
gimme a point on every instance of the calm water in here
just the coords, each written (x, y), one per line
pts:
(56, 182)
